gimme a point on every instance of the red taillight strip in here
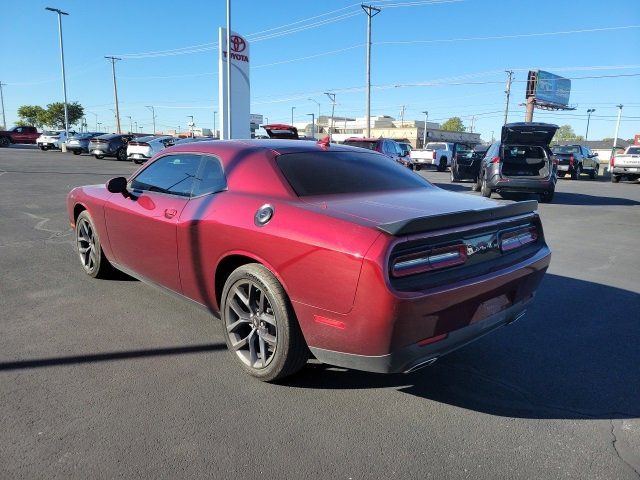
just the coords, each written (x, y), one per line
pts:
(426, 261)
(430, 340)
(518, 238)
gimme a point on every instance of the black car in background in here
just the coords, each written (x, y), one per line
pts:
(111, 145)
(576, 160)
(465, 164)
(79, 143)
(521, 162)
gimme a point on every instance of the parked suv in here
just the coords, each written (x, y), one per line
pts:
(576, 160)
(18, 135)
(79, 143)
(110, 145)
(521, 162)
(386, 146)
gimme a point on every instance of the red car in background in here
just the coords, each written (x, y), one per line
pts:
(304, 247)
(386, 146)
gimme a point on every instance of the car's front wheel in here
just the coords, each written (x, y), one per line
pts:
(593, 174)
(92, 258)
(484, 188)
(4, 142)
(77, 152)
(260, 326)
(99, 157)
(442, 166)
(575, 174)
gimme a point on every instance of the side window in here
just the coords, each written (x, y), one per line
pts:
(210, 177)
(174, 174)
(19, 130)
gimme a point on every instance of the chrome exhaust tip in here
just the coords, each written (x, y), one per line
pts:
(421, 365)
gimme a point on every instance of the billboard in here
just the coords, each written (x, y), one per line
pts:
(240, 85)
(548, 88)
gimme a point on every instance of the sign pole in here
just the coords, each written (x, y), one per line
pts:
(228, 130)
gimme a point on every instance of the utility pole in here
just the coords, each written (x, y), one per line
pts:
(508, 93)
(115, 90)
(371, 12)
(292, 109)
(228, 130)
(130, 124)
(135, 130)
(424, 132)
(4, 120)
(589, 112)
(98, 125)
(332, 97)
(492, 136)
(313, 124)
(64, 80)
(191, 124)
(402, 107)
(473, 122)
(153, 114)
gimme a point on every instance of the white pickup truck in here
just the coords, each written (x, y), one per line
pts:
(434, 153)
(626, 165)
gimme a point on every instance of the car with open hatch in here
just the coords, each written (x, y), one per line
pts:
(312, 248)
(521, 162)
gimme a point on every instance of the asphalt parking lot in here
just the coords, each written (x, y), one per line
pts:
(115, 379)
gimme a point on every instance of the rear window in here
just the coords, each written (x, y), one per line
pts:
(566, 149)
(633, 150)
(326, 173)
(436, 146)
(362, 144)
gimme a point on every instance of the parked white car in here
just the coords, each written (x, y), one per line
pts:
(52, 139)
(142, 149)
(626, 166)
(434, 153)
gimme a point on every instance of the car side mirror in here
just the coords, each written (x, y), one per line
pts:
(118, 185)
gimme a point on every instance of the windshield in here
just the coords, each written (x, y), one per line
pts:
(326, 173)
(50, 132)
(566, 149)
(436, 146)
(369, 145)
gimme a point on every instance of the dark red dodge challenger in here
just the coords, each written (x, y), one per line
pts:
(306, 248)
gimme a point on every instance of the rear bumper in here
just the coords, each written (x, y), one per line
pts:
(77, 148)
(138, 156)
(523, 185)
(626, 171)
(413, 357)
(389, 331)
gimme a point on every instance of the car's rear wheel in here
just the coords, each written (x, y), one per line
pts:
(547, 197)
(77, 152)
(260, 326)
(593, 174)
(442, 166)
(453, 176)
(418, 167)
(575, 174)
(561, 175)
(4, 142)
(121, 154)
(44, 148)
(92, 258)
(484, 189)
(99, 157)
(615, 178)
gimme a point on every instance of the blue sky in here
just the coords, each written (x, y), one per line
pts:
(470, 72)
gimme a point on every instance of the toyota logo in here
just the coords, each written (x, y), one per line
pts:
(238, 44)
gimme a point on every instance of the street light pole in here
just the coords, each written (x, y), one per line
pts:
(424, 132)
(615, 137)
(130, 124)
(115, 90)
(214, 122)
(317, 103)
(371, 12)
(191, 125)
(228, 132)
(508, 93)
(64, 80)
(589, 112)
(292, 109)
(136, 128)
(4, 120)
(332, 97)
(153, 114)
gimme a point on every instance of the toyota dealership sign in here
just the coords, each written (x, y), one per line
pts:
(240, 84)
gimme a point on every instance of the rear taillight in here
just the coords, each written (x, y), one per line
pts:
(428, 260)
(142, 144)
(612, 162)
(433, 155)
(513, 239)
(571, 160)
(495, 160)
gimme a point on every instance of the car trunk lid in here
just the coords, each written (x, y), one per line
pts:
(539, 134)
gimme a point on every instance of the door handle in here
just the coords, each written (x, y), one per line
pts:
(170, 212)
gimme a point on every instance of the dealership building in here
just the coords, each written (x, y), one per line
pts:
(411, 131)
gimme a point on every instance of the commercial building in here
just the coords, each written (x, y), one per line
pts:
(411, 131)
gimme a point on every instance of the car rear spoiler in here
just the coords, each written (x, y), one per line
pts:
(457, 219)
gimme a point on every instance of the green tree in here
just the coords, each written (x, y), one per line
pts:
(31, 115)
(566, 134)
(454, 124)
(54, 116)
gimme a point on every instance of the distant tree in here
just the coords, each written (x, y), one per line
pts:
(33, 115)
(54, 115)
(454, 124)
(566, 134)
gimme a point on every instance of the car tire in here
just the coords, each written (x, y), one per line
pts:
(260, 327)
(593, 174)
(615, 178)
(77, 152)
(547, 197)
(121, 155)
(4, 142)
(99, 157)
(561, 175)
(484, 189)
(454, 178)
(418, 168)
(92, 258)
(476, 185)
(442, 165)
(575, 174)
